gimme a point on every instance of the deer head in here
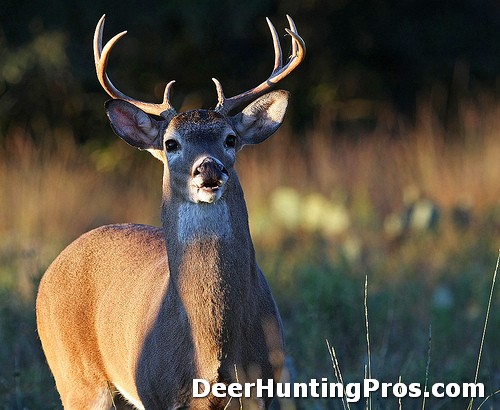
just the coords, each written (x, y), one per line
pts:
(176, 138)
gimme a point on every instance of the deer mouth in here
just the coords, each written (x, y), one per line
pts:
(208, 191)
(209, 177)
(211, 185)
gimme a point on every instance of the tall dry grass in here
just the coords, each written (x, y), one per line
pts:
(450, 168)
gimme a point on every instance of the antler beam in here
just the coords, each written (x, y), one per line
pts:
(225, 105)
(101, 56)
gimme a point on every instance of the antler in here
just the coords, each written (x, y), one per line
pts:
(101, 55)
(225, 105)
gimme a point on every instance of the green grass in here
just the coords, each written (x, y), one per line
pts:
(324, 215)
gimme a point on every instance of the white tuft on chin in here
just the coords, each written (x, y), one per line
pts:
(208, 195)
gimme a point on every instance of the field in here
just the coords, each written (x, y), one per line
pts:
(416, 213)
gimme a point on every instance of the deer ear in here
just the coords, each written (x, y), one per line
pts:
(133, 125)
(260, 119)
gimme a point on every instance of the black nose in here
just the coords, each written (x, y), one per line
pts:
(211, 172)
(210, 168)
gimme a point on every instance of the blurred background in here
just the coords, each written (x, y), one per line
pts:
(387, 168)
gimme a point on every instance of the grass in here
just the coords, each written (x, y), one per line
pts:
(488, 310)
(368, 374)
(417, 214)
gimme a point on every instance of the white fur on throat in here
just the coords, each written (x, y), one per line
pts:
(202, 219)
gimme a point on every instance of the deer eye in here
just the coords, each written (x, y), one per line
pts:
(230, 141)
(171, 145)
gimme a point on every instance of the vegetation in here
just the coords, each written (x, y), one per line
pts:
(418, 217)
(387, 168)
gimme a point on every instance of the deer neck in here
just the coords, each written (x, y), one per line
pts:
(212, 270)
(213, 238)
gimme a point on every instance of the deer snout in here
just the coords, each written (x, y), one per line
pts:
(209, 168)
(208, 175)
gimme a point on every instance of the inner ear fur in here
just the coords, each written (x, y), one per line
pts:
(133, 125)
(261, 118)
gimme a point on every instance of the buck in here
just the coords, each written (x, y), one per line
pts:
(134, 313)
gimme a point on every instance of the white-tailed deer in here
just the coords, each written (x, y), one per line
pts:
(137, 312)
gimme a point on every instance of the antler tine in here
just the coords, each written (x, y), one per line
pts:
(293, 28)
(225, 105)
(101, 57)
(278, 59)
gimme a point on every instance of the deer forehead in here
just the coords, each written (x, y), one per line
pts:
(203, 126)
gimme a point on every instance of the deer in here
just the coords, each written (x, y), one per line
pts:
(131, 314)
